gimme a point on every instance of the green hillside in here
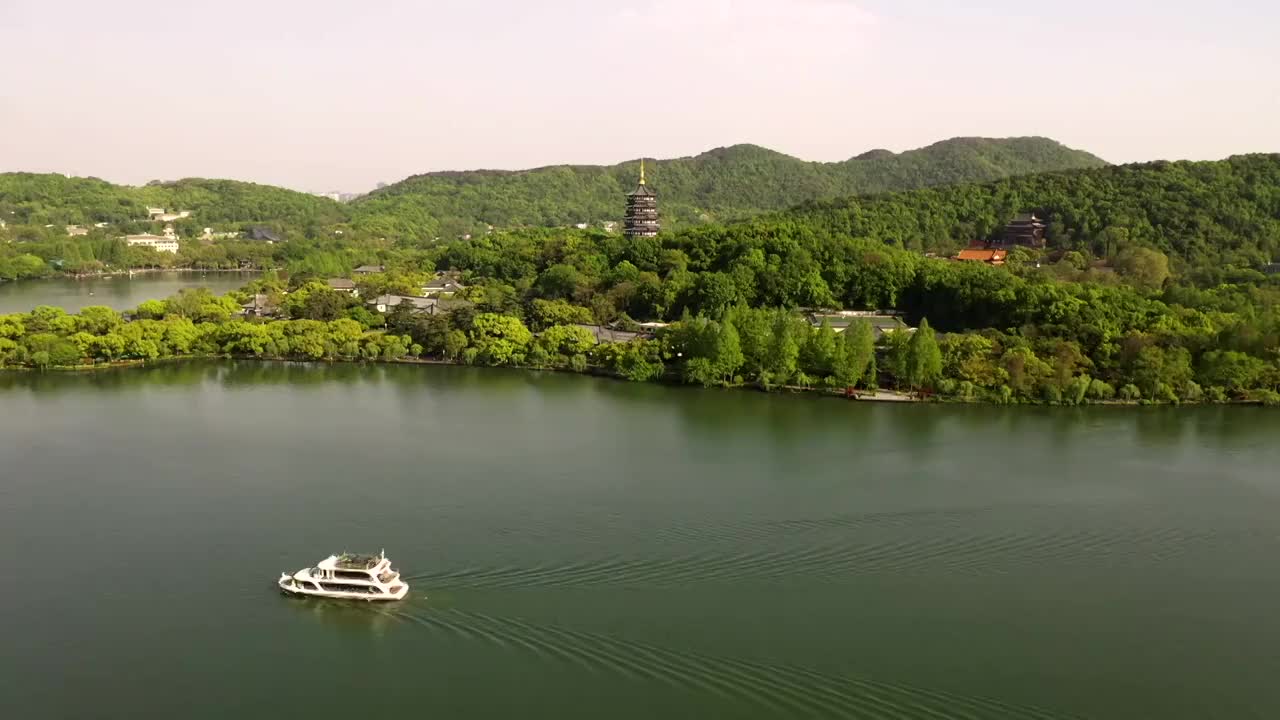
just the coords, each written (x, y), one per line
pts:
(1201, 214)
(43, 199)
(723, 184)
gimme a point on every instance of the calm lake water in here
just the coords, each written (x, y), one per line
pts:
(581, 548)
(121, 292)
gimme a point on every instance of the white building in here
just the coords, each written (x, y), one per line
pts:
(159, 215)
(159, 243)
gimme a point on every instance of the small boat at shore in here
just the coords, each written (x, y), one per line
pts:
(348, 576)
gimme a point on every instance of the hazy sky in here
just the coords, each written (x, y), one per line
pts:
(321, 95)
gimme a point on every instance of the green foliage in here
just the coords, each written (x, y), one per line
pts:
(566, 340)
(558, 312)
(719, 185)
(500, 339)
(1147, 286)
(924, 358)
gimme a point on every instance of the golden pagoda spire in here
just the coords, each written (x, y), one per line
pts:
(641, 171)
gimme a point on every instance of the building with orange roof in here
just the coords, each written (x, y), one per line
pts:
(982, 255)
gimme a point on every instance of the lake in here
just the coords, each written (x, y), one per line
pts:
(120, 292)
(582, 548)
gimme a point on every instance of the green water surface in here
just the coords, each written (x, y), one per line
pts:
(580, 548)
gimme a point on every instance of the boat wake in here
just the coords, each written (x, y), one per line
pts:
(762, 689)
(845, 549)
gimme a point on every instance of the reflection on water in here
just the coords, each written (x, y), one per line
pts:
(706, 417)
(374, 618)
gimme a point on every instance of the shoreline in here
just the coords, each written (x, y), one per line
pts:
(110, 274)
(103, 274)
(879, 396)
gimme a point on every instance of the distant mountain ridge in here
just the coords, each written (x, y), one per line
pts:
(722, 184)
(727, 183)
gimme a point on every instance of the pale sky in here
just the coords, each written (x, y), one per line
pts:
(338, 95)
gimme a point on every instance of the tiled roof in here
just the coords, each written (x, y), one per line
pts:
(991, 256)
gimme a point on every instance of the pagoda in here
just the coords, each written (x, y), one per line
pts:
(1026, 230)
(642, 210)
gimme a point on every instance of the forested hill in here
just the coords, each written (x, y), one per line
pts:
(723, 184)
(43, 199)
(1202, 214)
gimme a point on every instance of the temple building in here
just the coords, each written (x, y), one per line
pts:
(1026, 230)
(642, 210)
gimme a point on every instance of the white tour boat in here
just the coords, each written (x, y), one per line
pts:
(348, 577)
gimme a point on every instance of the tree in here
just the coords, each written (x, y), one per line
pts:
(560, 281)
(855, 349)
(818, 354)
(500, 339)
(566, 340)
(924, 358)
(728, 352)
(151, 310)
(640, 362)
(323, 304)
(716, 293)
(784, 352)
(1146, 267)
(547, 313)
(454, 343)
(99, 319)
(1234, 371)
(1099, 390)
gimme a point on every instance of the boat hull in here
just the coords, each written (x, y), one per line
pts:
(290, 587)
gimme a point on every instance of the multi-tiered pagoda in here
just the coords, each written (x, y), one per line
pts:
(642, 210)
(1026, 230)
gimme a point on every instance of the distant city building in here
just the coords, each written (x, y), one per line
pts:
(642, 210)
(1271, 268)
(159, 243)
(370, 269)
(334, 196)
(76, 231)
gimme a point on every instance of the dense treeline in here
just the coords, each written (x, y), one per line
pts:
(36, 210)
(723, 184)
(43, 199)
(1009, 336)
(1207, 216)
(1130, 300)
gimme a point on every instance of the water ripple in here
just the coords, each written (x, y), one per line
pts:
(841, 549)
(779, 690)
